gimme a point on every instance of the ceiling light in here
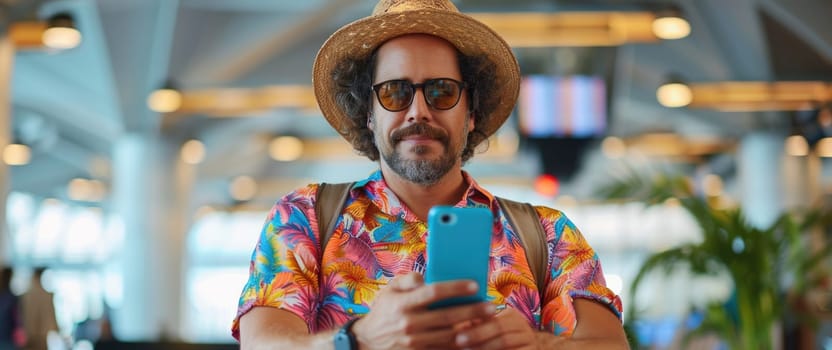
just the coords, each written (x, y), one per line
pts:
(61, 33)
(674, 95)
(613, 147)
(192, 152)
(17, 154)
(243, 188)
(671, 27)
(80, 189)
(285, 148)
(796, 146)
(824, 147)
(167, 99)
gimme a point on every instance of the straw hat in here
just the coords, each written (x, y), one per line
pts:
(392, 18)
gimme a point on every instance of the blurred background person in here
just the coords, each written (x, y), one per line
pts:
(11, 328)
(38, 313)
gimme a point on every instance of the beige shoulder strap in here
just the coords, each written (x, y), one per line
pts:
(525, 221)
(329, 202)
(523, 218)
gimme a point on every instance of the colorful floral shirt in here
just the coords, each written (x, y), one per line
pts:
(377, 237)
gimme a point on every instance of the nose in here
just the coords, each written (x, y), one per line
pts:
(419, 110)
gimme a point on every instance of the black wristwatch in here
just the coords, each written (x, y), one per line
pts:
(345, 339)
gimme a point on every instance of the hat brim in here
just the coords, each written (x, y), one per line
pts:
(471, 37)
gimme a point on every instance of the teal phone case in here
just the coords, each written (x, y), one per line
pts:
(458, 247)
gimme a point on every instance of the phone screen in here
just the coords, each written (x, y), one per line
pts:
(458, 247)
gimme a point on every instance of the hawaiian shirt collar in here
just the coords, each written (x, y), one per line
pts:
(384, 198)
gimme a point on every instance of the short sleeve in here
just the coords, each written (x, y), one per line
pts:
(575, 272)
(284, 267)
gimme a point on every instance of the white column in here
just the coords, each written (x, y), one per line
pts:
(148, 196)
(760, 173)
(802, 181)
(6, 64)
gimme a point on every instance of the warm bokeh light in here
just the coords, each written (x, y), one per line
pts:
(674, 95)
(17, 154)
(566, 201)
(80, 189)
(164, 100)
(508, 142)
(712, 185)
(796, 146)
(203, 211)
(824, 147)
(243, 188)
(193, 152)
(613, 147)
(61, 38)
(671, 28)
(547, 185)
(286, 148)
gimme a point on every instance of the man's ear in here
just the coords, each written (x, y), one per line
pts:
(370, 120)
(471, 120)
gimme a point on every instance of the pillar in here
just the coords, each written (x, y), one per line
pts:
(148, 197)
(802, 181)
(760, 177)
(6, 63)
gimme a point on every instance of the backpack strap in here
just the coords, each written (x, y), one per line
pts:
(525, 221)
(330, 199)
(329, 202)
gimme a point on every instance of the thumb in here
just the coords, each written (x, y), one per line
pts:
(410, 281)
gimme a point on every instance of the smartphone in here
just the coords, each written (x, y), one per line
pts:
(458, 247)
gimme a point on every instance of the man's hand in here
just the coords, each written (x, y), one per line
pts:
(399, 317)
(507, 330)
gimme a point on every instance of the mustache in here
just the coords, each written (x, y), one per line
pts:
(421, 129)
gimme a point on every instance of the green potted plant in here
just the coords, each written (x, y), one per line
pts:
(758, 260)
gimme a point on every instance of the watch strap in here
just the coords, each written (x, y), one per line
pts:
(345, 338)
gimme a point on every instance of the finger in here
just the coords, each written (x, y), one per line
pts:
(451, 316)
(428, 294)
(434, 339)
(459, 327)
(508, 341)
(496, 330)
(479, 334)
(406, 282)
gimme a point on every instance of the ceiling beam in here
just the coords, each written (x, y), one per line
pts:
(55, 99)
(260, 40)
(806, 20)
(97, 74)
(738, 32)
(256, 6)
(139, 37)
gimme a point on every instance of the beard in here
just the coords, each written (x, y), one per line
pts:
(424, 172)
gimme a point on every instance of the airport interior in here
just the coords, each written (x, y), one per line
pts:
(144, 143)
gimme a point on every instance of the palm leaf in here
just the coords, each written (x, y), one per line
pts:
(757, 259)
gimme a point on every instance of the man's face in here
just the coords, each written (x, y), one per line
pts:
(419, 143)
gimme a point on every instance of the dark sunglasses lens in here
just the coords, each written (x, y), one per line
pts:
(442, 93)
(395, 95)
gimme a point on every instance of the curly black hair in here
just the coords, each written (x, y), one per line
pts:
(353, 78)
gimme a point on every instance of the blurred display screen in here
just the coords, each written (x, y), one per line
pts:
(562, 106)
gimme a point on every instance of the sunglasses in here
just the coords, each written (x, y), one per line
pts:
(397, 95)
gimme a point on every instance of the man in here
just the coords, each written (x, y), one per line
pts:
(38, 313)
(12, 335)
(416, 86)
